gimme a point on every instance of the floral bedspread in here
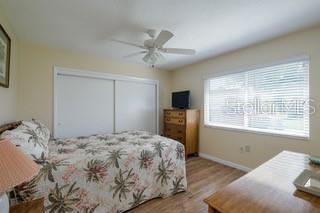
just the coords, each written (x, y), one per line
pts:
(107, 172)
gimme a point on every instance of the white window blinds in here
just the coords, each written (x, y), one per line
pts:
(272, 99)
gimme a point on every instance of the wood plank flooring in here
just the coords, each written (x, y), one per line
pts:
(204, 178)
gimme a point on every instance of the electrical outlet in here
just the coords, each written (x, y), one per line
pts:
(241, 149)
(247, 148)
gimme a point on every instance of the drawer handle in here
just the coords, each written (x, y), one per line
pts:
(180, 121)
(180, 113)
(168, 119)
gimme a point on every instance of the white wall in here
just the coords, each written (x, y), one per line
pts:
(36, 63)
(225, 144)
(8, 96)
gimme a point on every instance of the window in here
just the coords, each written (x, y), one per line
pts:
(273, 99)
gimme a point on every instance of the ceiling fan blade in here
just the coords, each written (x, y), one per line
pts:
(128, 43)
(179, 51)
(135, 54)
(162, 38)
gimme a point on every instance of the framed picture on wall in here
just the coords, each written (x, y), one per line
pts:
(5, 45)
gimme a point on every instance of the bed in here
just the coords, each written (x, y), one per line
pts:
(106, 172)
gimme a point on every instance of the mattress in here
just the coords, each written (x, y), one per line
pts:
(107, 172)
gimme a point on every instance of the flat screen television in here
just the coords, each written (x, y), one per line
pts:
(181, 99)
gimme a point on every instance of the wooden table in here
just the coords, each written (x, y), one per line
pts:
(268, 188)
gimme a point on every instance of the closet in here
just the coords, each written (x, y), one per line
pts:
(87, 103)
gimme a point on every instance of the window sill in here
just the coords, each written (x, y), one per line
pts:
(231, 128)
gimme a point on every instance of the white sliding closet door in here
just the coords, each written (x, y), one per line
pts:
(83, 105)
(136, 106)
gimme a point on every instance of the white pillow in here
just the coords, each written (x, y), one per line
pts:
(27, 140)
(40, 129)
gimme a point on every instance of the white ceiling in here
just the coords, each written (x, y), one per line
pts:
(211, 27)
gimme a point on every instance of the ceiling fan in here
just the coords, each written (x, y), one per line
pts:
(153, 47)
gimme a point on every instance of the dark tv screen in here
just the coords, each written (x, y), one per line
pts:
(181, 99)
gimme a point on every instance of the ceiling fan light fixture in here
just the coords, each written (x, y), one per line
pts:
(153, 58)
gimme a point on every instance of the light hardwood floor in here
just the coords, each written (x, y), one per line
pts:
(204, 178)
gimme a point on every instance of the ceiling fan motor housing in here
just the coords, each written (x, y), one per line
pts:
(149, 43)
(152, 33)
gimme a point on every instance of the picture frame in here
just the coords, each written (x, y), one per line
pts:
(5, 49)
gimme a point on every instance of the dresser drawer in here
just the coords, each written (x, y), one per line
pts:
(175, 113)
(178, 121)
(175, 129)
(177, 137)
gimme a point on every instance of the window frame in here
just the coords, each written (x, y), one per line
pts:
(221, 126)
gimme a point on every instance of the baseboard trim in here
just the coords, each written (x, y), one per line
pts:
(224, 162)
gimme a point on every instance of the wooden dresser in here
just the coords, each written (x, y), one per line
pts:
(183, 125)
